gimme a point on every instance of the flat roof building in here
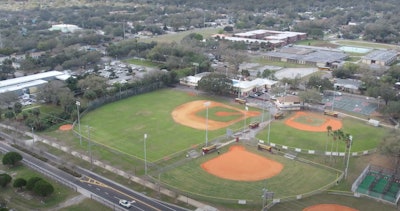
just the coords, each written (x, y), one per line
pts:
(313, 56)
(380, 57)
(20, 83)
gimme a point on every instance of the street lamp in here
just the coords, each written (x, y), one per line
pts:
(90, 147)
(348, 157)
(207, 104)
(145, 158)
(33, 135)
(79, 121)
(245, 116)
(269, 124)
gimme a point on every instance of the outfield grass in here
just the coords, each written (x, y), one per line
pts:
(121, 125)
(365, 137)
(191, 178)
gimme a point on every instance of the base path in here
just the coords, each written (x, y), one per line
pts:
(327, 121)
(186, 114)
(241, 165)
(329, 207)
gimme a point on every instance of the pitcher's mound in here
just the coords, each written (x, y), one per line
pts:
(65, 127)
(329, 207)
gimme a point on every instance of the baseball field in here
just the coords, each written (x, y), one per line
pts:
(176, 122)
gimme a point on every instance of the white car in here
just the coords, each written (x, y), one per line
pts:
(125, 203)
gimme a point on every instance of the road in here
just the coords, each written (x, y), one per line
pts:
(92, 185)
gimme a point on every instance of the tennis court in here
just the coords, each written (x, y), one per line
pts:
(351, 103)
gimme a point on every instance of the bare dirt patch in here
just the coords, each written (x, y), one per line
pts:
(66, 127)
(241, 165)
(329, 207)
(325, 121)
(186, 114)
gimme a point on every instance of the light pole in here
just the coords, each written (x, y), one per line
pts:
(90, 148)
(33, 135)
(79, 121)
(145, 158)
(269, 124)
(207, 104)
(245, 116)
(348, 157)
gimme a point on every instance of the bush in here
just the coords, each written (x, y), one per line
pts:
(31, 182)
(43, 188)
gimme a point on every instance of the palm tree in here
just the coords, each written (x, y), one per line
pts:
(329, 129)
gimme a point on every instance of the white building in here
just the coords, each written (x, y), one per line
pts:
(65, 28)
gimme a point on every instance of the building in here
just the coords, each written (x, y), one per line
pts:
(289, 102)
(284, 37)
(271, 38)
(30, 83)
(380, 57)
(246, 88)
(348, 85)
(307, 55)
(65, 28)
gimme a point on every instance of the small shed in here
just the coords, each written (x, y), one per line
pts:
(373, 122)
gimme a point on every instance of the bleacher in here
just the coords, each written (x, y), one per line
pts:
(366, 183)
(379, 185)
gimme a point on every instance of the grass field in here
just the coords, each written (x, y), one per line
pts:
(23, 200)
(177, 37)
(191, 178)
(365, 137)
(122, 125)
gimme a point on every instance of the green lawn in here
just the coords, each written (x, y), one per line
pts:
(365, 137)
(121, 125)
(294, 179)
(23, 200)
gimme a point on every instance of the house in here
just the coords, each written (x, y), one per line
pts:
(289, 102)
(246, 88)
(380, 57)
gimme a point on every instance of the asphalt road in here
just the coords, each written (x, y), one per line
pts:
(92, 185)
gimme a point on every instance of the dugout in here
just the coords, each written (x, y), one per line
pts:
(209, 149)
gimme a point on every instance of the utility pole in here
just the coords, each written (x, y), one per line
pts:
(90, 148)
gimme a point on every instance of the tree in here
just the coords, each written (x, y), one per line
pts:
(11, 158)
(19, 183)
(6, 69)
(390, 146)
(316, 82)
(310, 96)
(93, 84)
(215, 84)
(5, 179)
(43, 188)
(31, 182)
